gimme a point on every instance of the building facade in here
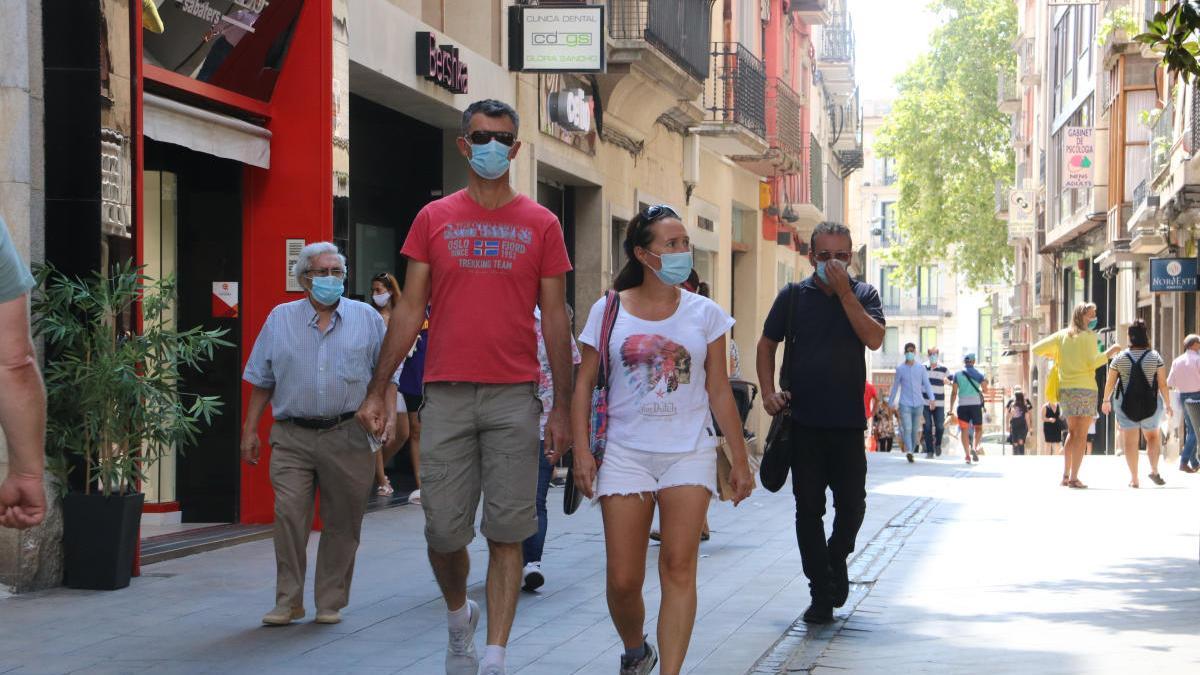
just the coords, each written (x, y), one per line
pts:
(230, 134)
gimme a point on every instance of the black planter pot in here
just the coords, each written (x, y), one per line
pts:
(100, 536)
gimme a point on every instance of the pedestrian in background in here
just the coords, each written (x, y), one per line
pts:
(532, 577)
(412, 383)
(385, 293)
(1018, 420)
(882, 426)
(1141, 399)
(487, 255)
(1076, 354)
(968, 389)
(1053, 425)
(935, 418)
(23, 403)
(839, 317)
(312, 361)
(911, 389)
(669, 348)
(1185, 378)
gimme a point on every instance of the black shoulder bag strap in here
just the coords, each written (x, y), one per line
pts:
(785, 375)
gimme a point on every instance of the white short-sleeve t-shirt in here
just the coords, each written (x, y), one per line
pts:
(657, 401)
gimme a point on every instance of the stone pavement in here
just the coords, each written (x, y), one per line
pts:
(992, 568)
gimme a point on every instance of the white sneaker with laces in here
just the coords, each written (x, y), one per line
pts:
(461, 658)
(414, 497)
(532, 578)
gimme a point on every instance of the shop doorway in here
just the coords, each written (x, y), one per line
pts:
(560, 199)
(193, 230)
(395, 170)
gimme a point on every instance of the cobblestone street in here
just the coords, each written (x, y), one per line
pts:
(991, 568)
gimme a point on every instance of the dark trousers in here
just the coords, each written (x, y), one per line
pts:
(532, 547)
(935, 430)
(831, 459)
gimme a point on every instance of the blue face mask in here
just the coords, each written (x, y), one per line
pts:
(327, 290)
(676, 267)
(934, 359)
(1093, 323)
(490, 160)
(909, 357)
(821, 272)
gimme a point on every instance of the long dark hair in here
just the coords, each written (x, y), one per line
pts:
(639, 235)
(1139, 335)
(1020, 400)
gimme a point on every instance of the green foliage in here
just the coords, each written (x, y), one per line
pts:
(1173, 33)
(1120, 19)
(114, 399)
(951, 144)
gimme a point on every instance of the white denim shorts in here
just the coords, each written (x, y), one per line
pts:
(629, 472)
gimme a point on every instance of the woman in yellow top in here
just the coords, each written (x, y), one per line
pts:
(1077, 356)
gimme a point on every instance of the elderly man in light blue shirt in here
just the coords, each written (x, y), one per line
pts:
(312, 361)
(912, 389)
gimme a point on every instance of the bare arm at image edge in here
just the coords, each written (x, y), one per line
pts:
(23, 417)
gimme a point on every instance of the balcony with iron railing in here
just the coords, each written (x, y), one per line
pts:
(1020, 135)
(735, 102)
(1008, 97)
(673, 27)
(1001, 200)
(835, 58)
(786, 136)
(1028, 70)
(811, 12)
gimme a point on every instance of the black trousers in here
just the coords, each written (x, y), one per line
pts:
(831, 459)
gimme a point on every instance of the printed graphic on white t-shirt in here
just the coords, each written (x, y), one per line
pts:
(657, 398)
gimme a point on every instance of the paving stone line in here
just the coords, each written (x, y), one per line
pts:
(802, 645)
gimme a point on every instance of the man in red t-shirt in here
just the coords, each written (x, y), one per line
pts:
(487, 255)
(870, 399)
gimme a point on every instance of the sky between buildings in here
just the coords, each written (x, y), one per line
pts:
(889, 34)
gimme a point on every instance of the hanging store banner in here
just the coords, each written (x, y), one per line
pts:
(1079, 157)
(225, 299)
(1021, 207)
(1172, 275)
(556, 39)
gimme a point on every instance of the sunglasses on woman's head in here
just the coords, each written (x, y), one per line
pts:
(653, 213)
(485, 137)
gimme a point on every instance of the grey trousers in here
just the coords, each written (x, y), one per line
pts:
(340, 463)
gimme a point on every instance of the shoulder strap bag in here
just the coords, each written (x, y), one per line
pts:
(777, 458)
(598, 429)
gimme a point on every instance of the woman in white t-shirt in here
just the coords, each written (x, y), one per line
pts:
(667, 363)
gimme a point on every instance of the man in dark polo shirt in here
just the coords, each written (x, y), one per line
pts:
(834, 318)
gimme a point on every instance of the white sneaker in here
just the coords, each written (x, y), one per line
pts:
(414, 497)
(532, 578)
(461, 658)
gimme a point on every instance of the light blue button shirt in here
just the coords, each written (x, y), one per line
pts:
(911, 386)
(315, 374)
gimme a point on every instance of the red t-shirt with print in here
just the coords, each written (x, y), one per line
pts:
(486, 267)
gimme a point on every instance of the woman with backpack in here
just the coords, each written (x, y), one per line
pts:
(1076, 354)
(1140, 400)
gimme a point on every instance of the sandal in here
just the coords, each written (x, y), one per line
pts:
(1134, 485)
(1076, 483)
(384, 490)
(1158, 480)
(1066, 480)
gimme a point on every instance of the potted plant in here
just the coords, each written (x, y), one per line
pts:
(114, 404)
(1118, 25)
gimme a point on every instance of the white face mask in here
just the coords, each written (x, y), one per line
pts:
(381, 299)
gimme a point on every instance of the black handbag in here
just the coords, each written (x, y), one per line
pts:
(777, 457)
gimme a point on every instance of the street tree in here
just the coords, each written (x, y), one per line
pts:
(951, 144)
(1175, 33)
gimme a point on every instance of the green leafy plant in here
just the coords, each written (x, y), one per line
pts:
(1173, 33)
(114, 399)
(1120, 19)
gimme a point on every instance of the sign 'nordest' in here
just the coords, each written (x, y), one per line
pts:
(440, 64)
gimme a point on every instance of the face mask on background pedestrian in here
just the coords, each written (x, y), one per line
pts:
(381, 299)
(1093, 323)
(327, 290)
(933, 359)
(676, 267)
(910, 357)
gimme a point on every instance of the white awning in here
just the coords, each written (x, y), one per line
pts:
(204, 131)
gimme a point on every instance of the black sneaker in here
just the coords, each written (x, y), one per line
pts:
(840, 582)
(641, 666)
(910, 458)
(974, 456)
(818, 613)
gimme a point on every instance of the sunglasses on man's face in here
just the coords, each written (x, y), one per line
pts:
(826, 256)
(485, 137)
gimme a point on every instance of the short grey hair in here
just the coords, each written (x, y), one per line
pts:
(826, 228)
(315, 250)
(492, 108)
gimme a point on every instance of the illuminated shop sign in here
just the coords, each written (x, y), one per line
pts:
(440, 64)
(556, 39)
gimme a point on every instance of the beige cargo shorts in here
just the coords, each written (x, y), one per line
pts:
(479, 438)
